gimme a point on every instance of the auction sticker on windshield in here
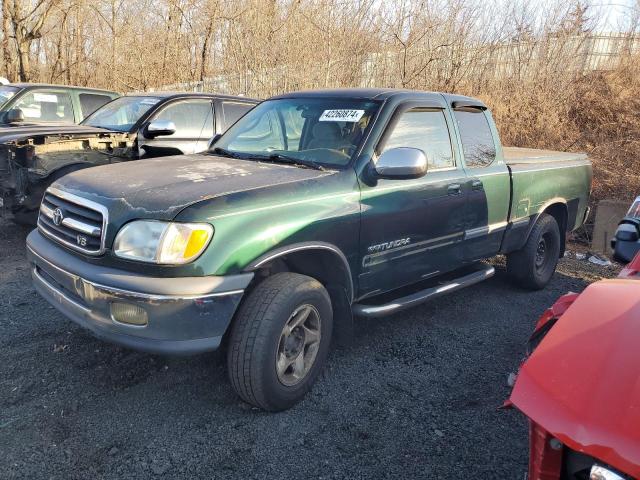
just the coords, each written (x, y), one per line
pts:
(341, 115)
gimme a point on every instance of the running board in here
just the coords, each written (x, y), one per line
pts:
(402, 303)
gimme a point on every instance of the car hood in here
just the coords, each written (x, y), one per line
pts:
(160, 188)
(582, 383)
(8, 134)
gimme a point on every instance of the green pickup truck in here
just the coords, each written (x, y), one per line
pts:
(313, 208)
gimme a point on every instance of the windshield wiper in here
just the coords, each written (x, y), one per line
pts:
(278, 157)
(273, 157)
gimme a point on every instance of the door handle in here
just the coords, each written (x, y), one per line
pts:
(454, 189)
(477, 185)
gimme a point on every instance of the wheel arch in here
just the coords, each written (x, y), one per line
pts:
(326, 263)
(559, 210)
(321, 260)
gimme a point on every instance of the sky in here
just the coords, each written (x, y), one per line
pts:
(616, 13)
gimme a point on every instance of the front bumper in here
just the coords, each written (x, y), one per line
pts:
(186, 315)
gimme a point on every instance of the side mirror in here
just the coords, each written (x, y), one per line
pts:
(214, 139)
(15, 115)
(627, 232)
(401, 163)
(159, 128)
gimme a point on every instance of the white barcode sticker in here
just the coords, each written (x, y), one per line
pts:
(45, 97)
(341, 115)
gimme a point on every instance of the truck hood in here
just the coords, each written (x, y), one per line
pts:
(582, 383)
(23, 132)
(160, 188)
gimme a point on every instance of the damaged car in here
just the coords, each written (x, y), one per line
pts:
(626, 243)
(580, 385)
(129, 128)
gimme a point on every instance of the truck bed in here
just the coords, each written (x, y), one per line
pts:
(527, 156)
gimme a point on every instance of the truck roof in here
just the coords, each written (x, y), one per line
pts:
(384, 94)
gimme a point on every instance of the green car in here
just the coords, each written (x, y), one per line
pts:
(313, 208)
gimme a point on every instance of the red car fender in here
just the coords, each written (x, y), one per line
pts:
(582, 389)
(555, 311)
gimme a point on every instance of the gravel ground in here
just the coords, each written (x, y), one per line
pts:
(415, 396)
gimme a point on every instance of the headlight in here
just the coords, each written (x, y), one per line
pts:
(167, 243)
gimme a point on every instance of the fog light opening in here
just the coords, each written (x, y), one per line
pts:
(128, 314)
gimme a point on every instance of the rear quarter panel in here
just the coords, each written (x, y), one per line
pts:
(538, 185)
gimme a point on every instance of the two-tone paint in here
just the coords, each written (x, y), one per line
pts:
(326, 221)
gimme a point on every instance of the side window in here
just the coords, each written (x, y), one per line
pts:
(477, 140)
(192, 118)
(90, 102)
(44, 106)
(232, 111)
(264, 133)
(426, 130)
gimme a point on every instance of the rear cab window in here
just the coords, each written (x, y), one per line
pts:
(46, 106)
(425, 129)
(477, 140)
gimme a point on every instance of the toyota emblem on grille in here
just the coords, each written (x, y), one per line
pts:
(58, 216)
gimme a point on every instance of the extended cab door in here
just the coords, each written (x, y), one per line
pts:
(413, 229)
(488, 181)
(193, 119)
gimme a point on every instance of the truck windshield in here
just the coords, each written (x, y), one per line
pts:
(320, 131)
(6, 92)
(121, 114)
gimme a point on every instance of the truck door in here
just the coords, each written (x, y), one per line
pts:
(413, 229)
(193, 120)
(488, 184)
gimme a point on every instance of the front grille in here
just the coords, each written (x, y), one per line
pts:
(73, 221)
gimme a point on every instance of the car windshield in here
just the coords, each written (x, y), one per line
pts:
(6, 92)
(121, 114)
(322, 132)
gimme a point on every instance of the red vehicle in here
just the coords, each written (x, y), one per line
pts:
(580, 386)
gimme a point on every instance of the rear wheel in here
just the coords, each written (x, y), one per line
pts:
(534, 264)
(280, 340)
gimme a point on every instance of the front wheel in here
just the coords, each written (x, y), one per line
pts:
(534, 264)
(280, 340)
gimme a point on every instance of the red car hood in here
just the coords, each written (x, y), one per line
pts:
(582, 383)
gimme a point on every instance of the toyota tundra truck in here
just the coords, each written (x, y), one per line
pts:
(315, 207)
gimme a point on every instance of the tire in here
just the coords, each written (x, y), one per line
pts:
(259, 348)
(533, 265)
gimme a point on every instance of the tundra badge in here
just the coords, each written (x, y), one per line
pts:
(381, 247)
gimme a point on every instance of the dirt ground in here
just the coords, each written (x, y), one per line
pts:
(416, 395)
